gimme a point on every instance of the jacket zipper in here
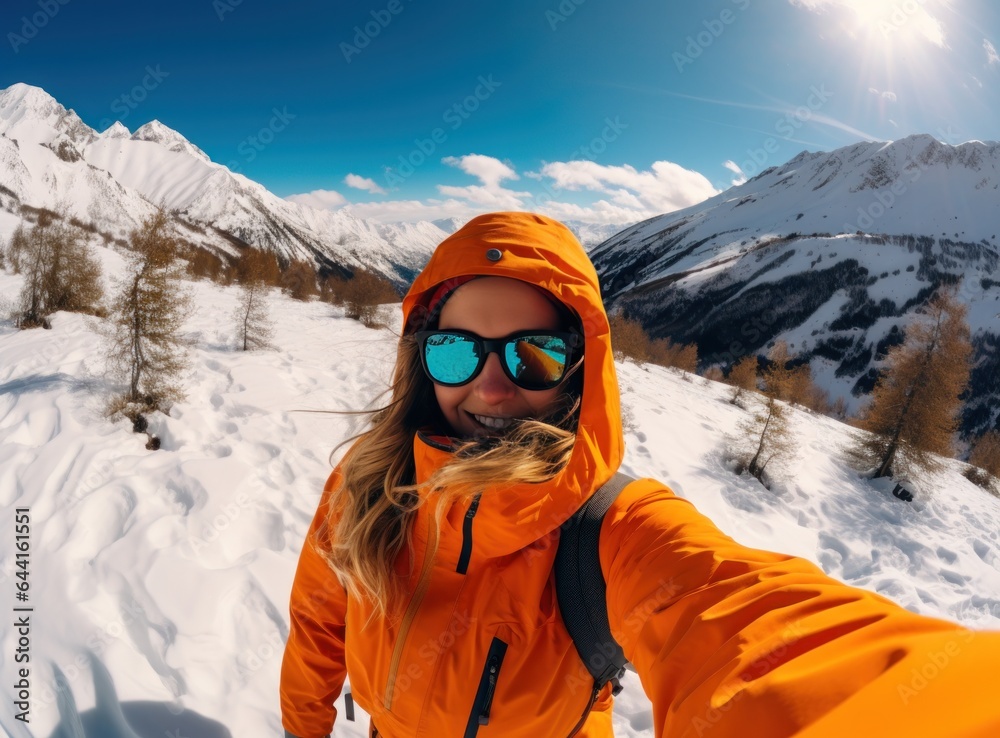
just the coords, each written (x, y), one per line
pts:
(487, 688)
(411, 612)
(463, 559)
(593, 698)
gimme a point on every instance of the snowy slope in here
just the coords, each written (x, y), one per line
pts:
(831, 252)
(50, 159)
(160, 580)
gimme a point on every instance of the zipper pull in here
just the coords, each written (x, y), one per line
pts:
(484, 714)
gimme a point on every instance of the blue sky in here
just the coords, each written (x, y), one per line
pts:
(586, 109)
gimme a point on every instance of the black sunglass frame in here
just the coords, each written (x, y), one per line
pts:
(487, 346)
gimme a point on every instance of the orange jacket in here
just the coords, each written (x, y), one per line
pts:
(727, 640)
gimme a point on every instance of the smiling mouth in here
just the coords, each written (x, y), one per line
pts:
(492, 423)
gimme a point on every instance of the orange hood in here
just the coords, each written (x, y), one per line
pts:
(545, 253)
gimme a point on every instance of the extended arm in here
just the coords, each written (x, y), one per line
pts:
(732, 641)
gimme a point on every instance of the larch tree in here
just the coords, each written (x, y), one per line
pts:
(298, 280)
(254, 329)
(145, 346)
(777, 377)
(985, 460)
(743, 377)
(913, 413)
(60, 272)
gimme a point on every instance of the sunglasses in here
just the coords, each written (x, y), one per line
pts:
(533, 360)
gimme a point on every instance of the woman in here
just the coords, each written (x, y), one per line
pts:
(427, 576)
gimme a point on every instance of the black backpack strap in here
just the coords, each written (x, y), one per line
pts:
(581, 589)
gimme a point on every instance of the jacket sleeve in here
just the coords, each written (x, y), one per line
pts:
(732, 641)
(313, 668)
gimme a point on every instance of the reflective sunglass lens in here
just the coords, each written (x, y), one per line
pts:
(451, 358)
(537, 361)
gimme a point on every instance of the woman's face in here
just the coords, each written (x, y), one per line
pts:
(494, 307)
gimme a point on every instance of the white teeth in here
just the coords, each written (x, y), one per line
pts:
(489, 422)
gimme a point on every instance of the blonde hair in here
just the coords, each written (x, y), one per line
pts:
(372, 509)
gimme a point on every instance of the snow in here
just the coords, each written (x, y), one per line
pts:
(160, 580)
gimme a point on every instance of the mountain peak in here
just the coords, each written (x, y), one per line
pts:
(156, 132)
(31, 115)
(23, 95)
(116, 130)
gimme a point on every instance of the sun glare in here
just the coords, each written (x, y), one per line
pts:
(896, 22)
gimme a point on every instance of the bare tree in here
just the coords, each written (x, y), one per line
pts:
(770, 436)
(743, 377)
(145, 348)
(253, 324)
(914, 408)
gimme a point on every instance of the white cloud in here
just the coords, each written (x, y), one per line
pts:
(665, 188)
(886, 18)
(601, 212)
(319, 199)
(733, 167)
(626, 194)
(991, 53)
(491, 172)
(363, 183)
(885, 95)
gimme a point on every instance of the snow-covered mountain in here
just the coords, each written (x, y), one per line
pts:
(592, 235)
(831, 252)
(49, 158)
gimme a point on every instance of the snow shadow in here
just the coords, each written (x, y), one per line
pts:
(141, 720)
(113, 719)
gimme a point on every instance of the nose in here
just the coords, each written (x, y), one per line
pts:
(492, 386)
